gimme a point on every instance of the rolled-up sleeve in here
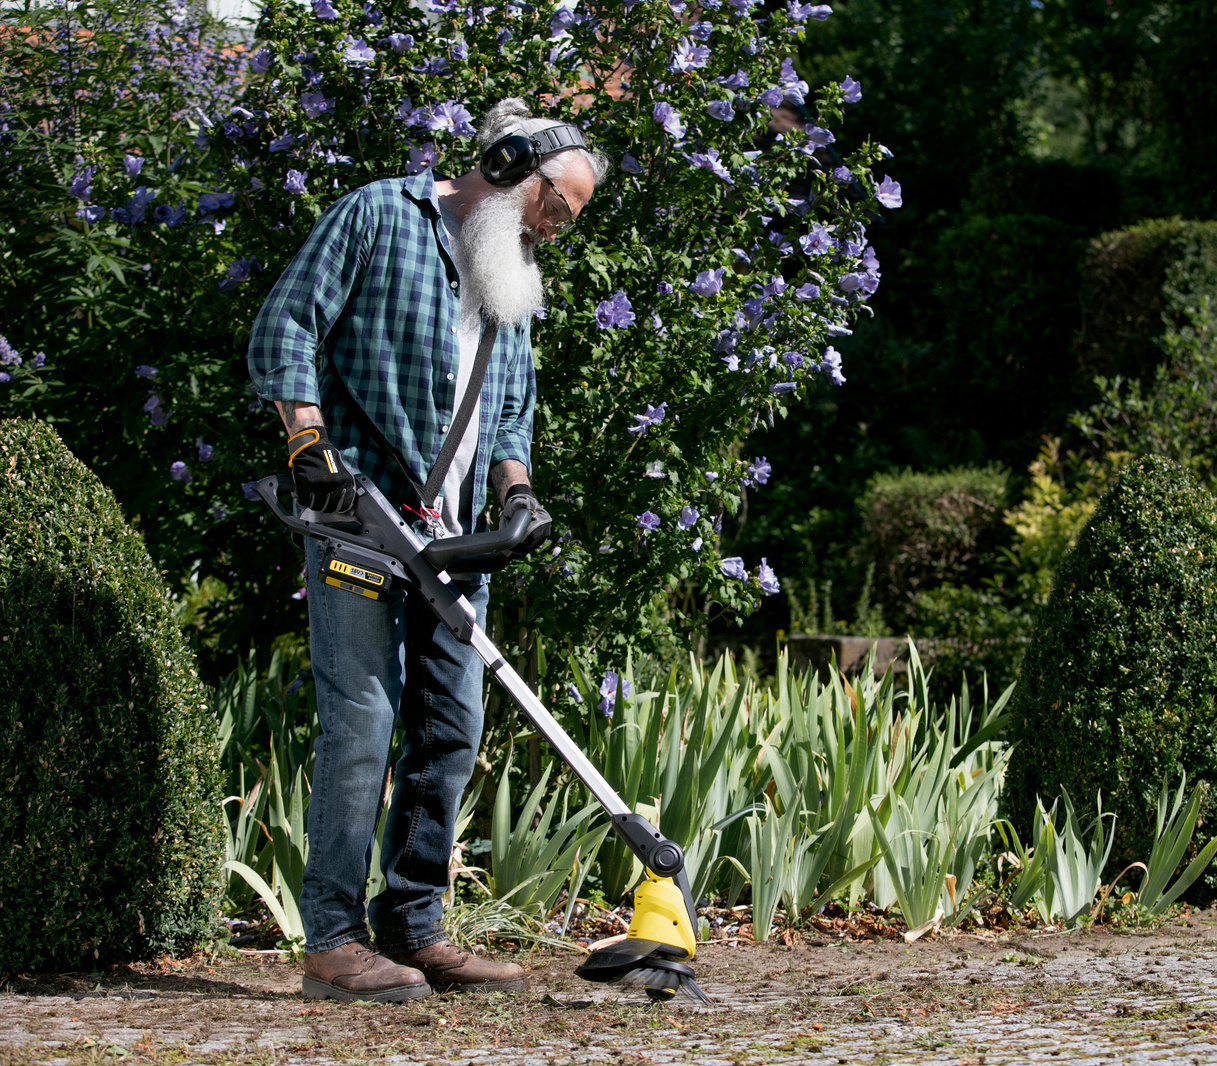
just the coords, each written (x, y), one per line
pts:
(513, 440)
(308, 299)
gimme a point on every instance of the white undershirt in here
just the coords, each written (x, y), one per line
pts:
(457, 490)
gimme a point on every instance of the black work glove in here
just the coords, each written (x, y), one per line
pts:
(522, 497)
(321, 481)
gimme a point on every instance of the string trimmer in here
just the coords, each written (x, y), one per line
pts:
(371, 551)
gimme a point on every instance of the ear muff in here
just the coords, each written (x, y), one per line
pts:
(510, 160)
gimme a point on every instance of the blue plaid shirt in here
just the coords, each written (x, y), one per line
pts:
(374, 293)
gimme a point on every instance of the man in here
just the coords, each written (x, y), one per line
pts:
(388, 297)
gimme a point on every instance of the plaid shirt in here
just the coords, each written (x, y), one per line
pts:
(374, 286)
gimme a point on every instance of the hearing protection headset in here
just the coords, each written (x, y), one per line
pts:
(512, 158)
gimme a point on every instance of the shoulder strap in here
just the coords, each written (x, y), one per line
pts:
(460, 422)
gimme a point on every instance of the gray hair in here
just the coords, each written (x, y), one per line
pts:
(512, 116)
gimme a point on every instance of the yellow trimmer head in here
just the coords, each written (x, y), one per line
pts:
(660, 942)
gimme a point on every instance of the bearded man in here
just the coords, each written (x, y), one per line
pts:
(366, 346)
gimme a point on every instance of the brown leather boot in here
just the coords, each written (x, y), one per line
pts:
(448, 969)
(355, 971)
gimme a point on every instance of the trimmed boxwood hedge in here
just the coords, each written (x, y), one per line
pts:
(110, 833)
(1119, 685)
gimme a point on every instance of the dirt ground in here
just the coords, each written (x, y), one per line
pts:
(1096, 996)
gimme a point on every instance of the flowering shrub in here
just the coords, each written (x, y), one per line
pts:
(692, 302)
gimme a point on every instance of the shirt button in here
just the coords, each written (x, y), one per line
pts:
(443, 429)
(452, 329)
(451, 376)
(453, 285)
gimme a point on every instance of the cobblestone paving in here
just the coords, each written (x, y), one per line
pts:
(959, 1002)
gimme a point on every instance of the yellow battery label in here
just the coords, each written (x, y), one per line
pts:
(339, 567)
(346, 586)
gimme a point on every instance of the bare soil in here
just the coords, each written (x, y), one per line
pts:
(832, 998)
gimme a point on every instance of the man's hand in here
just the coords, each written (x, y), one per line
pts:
(521, 497)
(321, 481)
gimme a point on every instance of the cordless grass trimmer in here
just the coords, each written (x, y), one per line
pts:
(371, 551)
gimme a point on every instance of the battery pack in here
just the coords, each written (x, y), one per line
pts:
(350, 572)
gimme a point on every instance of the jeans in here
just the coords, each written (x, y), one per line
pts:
(373, 660)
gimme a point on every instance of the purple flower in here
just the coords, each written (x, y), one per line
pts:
(696, 545)
(371, 14)
(261, 60)
(889, 192)
(772, 97)
(8, 354)
(648, 520)
(688, 517)
(669, 119)
(721, 110)
(818, 242)
(794, 360)
(450, 116)
(562, 20)
(358, 51)
(573, 692)
(615, 313)
(316, 104)
(652, 417)
(295, 182)
(708, 282)
(39, 360)
(239, 271)
(783, 386)
(630, 165)
(733, 567)
(179, 471)
(858, 282)
(214, 201)
(800, 12)
(281, 144)
(741, 6)
(250, 488)
(323, 9)
(689, 56)
(434, 68)
(232, 130)
(401, 43)
(701, 31)
(81, 186)
(145, 371)
(170, 216)
(843, 175)
(831, 363)
(774, 287)
(93, 213)
(664, 288)
(817, 138)
(5, 377)
(608, 689)
(132, 164)
(711, 162)
(302, 592)
(792, 85)
(732, 361)
(852, 90)
(759, 469)
(736, 81)
(422, 158)
(768, 579)
(870, 261)
(206, 451)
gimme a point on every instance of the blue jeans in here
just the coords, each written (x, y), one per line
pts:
(374, 659)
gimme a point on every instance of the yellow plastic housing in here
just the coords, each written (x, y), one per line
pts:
(660, 915)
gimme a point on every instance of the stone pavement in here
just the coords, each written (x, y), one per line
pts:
(1087, 999)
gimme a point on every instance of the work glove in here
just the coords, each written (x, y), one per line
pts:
(518, 497)
(322, 483)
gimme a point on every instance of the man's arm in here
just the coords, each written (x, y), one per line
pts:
(297, 416)
(505, 474)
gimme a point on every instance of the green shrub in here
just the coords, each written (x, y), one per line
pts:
(1135, 283)
(110, 840)
(1119, 684)
(922, 530)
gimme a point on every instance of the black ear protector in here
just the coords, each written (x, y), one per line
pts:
(512, 158)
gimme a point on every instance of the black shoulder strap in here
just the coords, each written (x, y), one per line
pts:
(460, 422)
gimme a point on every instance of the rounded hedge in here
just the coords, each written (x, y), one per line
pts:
(1119, 685)
(110, 834)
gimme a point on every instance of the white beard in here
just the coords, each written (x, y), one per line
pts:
(498, 269)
